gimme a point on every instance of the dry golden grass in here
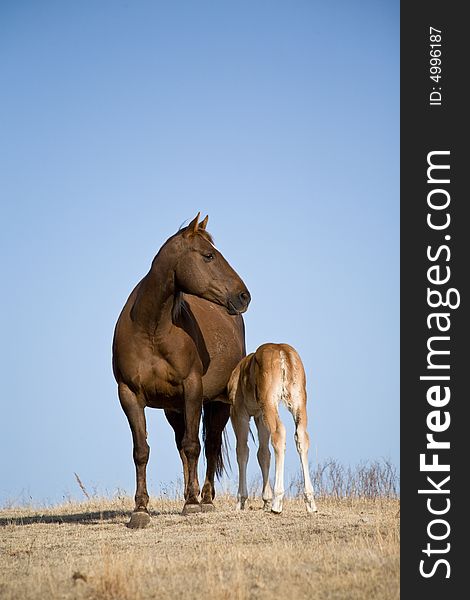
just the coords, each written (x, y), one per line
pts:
(83, 551)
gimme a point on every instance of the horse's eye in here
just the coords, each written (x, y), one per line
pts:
(208, 256)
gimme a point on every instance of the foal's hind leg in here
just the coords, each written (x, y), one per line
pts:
(176, 420)
(241, 427)
(135, 414)
(302, 442)
(264, 460)
(215, 417)
(278, 441)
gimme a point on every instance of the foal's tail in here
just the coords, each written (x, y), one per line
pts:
(214, 434)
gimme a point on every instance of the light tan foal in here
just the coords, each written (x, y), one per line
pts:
(272, 374)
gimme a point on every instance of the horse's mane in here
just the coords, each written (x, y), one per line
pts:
(179, 305)
(183, 317)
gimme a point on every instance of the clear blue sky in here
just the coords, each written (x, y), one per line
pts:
(121, 120)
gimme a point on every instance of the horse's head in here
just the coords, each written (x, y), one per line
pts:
(202, 271)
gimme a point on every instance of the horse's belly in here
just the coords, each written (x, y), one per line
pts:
(215, 381)
(158, 400)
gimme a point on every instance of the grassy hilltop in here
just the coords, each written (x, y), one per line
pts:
(83, 551)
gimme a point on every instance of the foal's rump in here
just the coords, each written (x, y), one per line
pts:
(279, 376)
(263, 379)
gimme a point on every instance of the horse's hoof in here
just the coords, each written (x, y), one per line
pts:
(139, 520)
(207, 507)
(191, 509)
(267, 505)
(310, 503)
(241, 502)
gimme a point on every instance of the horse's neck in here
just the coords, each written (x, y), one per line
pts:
(152, 309)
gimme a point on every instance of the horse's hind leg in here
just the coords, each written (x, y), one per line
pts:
(241, 427)
(302, 442)
(136, 416)
(176, 420)
(264, 460)
(215, 417)
(278, 441)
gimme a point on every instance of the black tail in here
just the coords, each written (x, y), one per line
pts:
(214, 420)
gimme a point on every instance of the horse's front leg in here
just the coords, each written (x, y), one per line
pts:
(216, 415)
(191, 447)
(135, 414)
(176, 420)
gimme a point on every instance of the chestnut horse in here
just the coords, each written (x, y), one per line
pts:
(176, 342)
(263, 379)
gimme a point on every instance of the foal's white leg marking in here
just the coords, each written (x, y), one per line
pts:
(264, 460)
(278, 440)
(241, 426)
(302, 443)
(298, 409)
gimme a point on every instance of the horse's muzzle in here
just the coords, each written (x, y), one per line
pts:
(238, 303)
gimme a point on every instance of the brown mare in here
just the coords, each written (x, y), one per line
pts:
(176, 342)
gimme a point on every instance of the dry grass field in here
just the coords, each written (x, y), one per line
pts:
(83, 551)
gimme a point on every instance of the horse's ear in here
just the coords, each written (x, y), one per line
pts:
(193, 226)
(203, 223)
